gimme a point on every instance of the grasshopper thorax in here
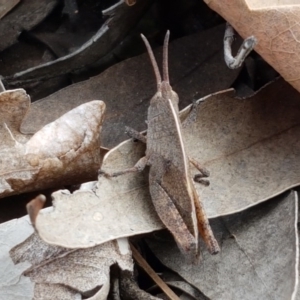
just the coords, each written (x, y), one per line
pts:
(164, 89)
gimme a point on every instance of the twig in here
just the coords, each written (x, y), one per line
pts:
(246, 47)
(145, 266)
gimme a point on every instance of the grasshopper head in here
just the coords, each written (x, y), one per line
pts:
(163, 86)
(168, 93)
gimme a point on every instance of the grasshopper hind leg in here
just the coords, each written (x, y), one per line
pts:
(169, 215)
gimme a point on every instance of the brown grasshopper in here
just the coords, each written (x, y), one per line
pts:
(170, 182)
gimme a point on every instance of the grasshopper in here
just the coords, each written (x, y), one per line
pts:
(170, 182)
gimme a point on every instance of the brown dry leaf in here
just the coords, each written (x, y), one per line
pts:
(275, 24)
(6, 6)
(24, 16)
(251, 148)
(128, 86)
(117, 207)
(23, 55)
(63, 152)
(99, 45)
(35, 270)
(259, 254)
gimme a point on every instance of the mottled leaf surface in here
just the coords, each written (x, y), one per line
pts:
(116, 207)
(258, 259)
(34, 270)
(251, 148)
(65, 151)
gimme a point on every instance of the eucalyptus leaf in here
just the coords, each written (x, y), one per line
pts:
(259, 254)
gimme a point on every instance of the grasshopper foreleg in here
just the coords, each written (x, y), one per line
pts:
(203, 172)
(132, 133)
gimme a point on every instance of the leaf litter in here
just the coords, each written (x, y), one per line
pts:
(259, 257)
(100, 44)
(7, 6)
(33, 269)
(24, 16)
(192, 114)
(251, 148)
(65, 151)
(127, 104)
(91, 215)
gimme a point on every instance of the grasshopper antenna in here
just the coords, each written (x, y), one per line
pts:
(165, 57)
(153, 62)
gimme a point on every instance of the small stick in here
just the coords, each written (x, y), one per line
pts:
(246, 47)
(145, 266)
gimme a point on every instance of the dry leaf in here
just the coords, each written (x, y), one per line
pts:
(113, 210)
(82, 272)
(198, 72)
(63, 152)
(101, 43)
(24, 16)
(41, 271)
(6, 6)
(23, 55)
(251, 148)
(275, 24)
(258, 259)
(14, 286)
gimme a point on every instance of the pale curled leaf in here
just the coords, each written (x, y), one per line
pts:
(258, 259)
(275, 25)
(42, 271)
(14, 105)
(114, 210)
(65, 151)
(251, 148)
